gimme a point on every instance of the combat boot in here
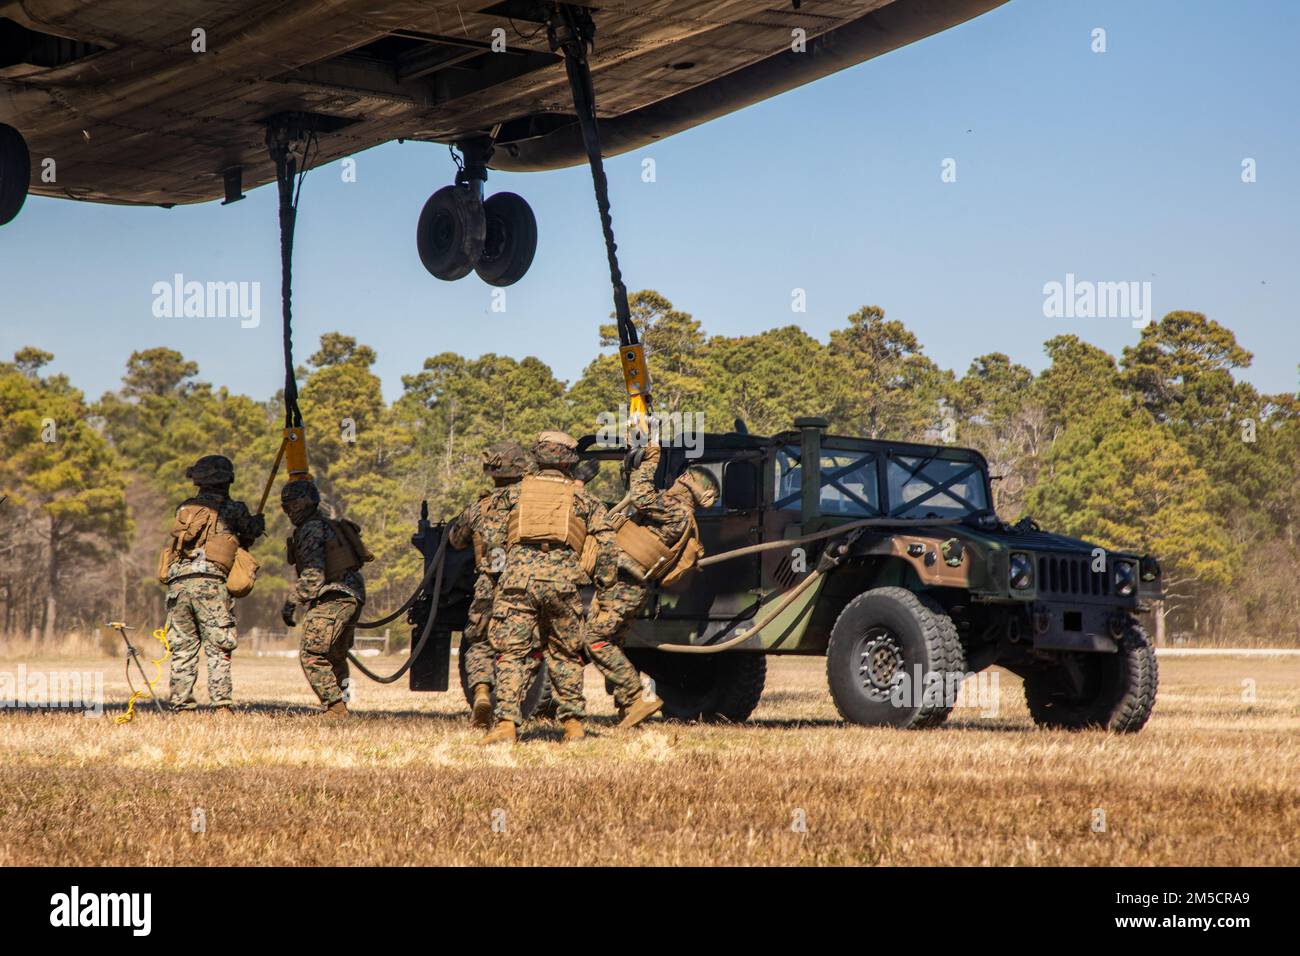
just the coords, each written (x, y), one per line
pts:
(481, 709)
(335, 711)
(504, 732)
(572, 729)
(641, 709)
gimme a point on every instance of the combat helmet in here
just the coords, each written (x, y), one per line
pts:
(555, 449)
(507, 460)
(298, 499)
(300, 488)
(211, 470)
(702, 484)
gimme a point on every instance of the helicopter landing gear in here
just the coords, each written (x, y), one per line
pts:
(460, 232)
(15, 172)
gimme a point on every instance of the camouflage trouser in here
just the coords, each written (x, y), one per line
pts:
(200, 614)
(478, 651)
(524, 615)
(327, 631)
(608, 621)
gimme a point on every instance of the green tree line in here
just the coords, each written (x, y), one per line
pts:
(1162, 448)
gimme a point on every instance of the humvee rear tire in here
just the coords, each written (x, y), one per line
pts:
(715, 688)
(538, 702)
(1119, 690)
(878, 643)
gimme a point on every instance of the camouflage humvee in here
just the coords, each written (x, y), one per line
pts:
(924, 586)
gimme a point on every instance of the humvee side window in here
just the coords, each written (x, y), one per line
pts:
(848, 482)
(920, 487)
(788, 482)
(740, 486)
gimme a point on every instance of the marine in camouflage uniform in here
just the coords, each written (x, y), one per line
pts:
(621, 677)
(200, 611)
(537, 599)
(482, 526)
(333, 601)
(609, 619)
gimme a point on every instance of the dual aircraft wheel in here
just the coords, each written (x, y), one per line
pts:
(459, 233)
(15, 172)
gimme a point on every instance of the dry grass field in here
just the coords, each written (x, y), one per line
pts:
(1214, 779)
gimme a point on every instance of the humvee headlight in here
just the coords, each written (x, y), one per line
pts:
(1150, 569)
(1125, 578)
(1021, 571)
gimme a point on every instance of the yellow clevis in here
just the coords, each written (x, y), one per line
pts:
(295, 454)
(636, 379)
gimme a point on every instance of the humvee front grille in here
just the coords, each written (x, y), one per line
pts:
(1061, 575)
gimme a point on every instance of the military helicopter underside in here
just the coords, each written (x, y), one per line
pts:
(140, 104)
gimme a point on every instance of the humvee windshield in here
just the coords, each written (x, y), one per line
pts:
(914, 486)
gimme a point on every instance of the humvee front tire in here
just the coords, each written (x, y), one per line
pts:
(715, 688)
(1118, 690)
(894, 660)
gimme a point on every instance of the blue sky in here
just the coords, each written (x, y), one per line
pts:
(1121, 166)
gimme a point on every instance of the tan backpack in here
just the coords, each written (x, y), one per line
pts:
(543, 514)
(349, 536)
(655, 560)
(197, 527)
(243, 574)
(343, 553)
(689, 551)
(644, 550)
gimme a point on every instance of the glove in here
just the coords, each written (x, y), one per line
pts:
(257, 525)
(636, 456)
(287, 612)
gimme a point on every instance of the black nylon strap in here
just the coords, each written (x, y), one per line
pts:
(286, 172)
(577, 34)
